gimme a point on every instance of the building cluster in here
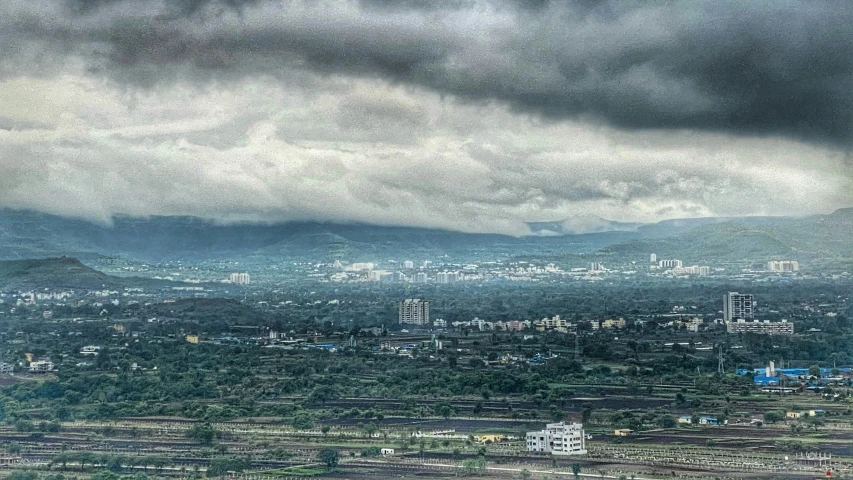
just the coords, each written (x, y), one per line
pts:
(770, 376)
(692, 270)
(670, 264)
(453, 273)
(676, 267)
(558, 439)
(546, 324)
(701, 420)
(739, 317)
(609, 323)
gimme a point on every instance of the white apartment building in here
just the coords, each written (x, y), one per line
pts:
(558, 439)
(360, 266)
(738, 306)
(771, 328)
(783, 266)
(446, 277)
(408, 264)
(670, 264)
(41, 366)
(692, 270)
(378, 275)
(414, 311)
(239, 278)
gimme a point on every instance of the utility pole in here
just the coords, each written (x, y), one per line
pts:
(577, 352)
(720, 368)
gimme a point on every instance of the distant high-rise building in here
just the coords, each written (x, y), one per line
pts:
(669, 263)
(783, 266)
(419, 277)
(239, 278)
(653, 259)
(359, 266)
(414, 311)
(738, 306)
(378, 275)
(446, 277)
(596, 267)
(408, 264)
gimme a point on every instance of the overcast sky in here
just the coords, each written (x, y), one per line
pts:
(466, 115)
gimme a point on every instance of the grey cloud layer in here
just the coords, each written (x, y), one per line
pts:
(266, 151)
(767, 68)
(474, 116)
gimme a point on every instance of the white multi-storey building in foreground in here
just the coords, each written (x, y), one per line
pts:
(558, 439)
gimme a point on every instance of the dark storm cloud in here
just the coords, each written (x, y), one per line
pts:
(775, 68)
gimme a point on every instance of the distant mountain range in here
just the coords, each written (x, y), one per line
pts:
(25, 234)
(580, 224)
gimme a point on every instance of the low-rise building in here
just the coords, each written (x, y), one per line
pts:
(756, 326)
(489, 438)
(90, 350)
(693, 324)
(41, 366)
(6, 368)
(613, 323)
(558, 439)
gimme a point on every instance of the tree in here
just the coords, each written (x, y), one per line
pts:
(576, 470)
(22, 475)
(202, 433)
(814, 371)
(772, 417)
(329, 457)
(370, 429)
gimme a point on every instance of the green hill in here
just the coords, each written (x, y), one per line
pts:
(826, 237)
(62, 272)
